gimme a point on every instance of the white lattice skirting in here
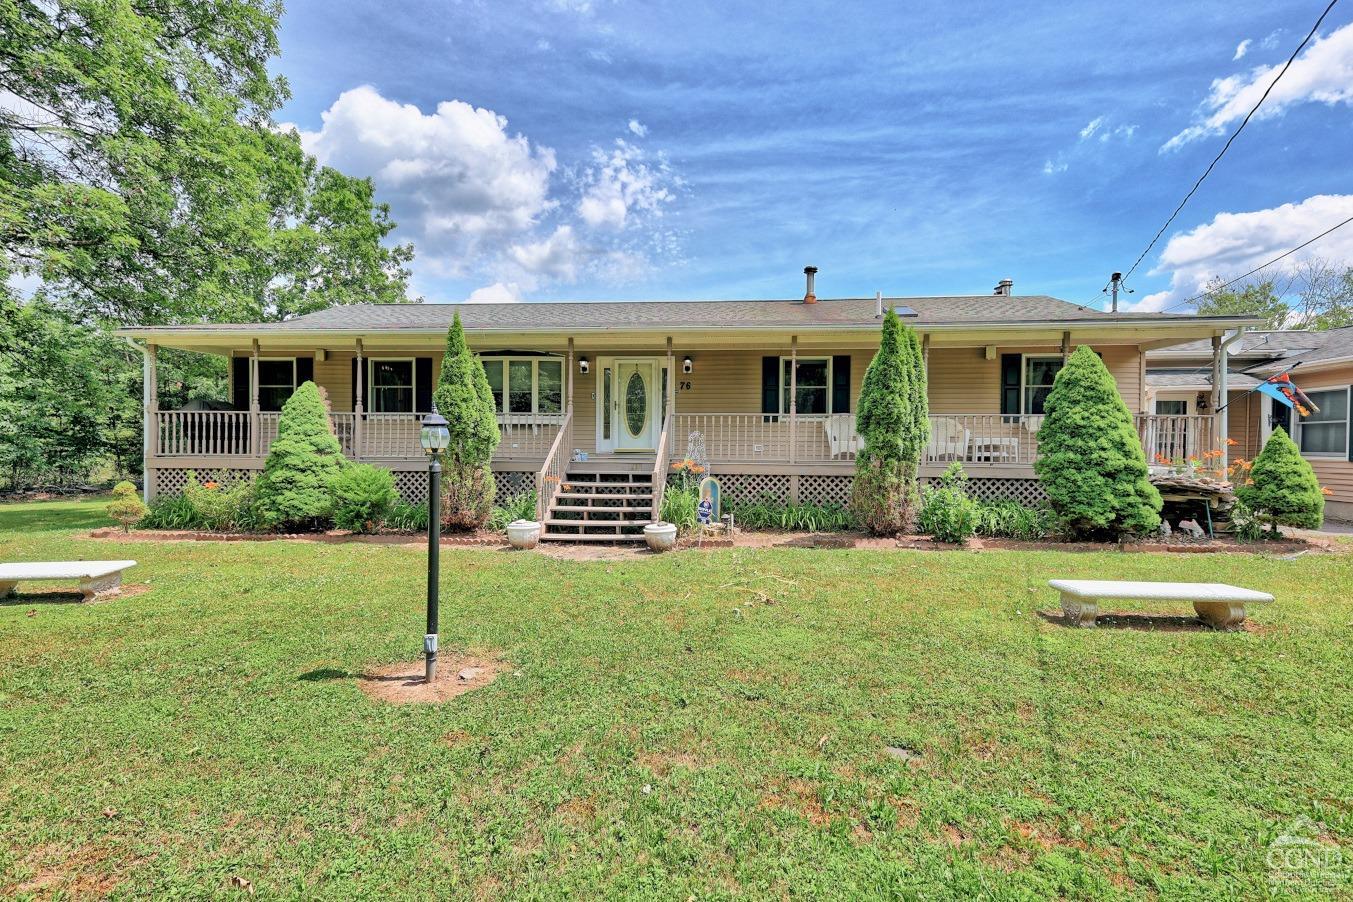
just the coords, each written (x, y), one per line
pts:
(509, 484)
(173, 482)
(744, 488)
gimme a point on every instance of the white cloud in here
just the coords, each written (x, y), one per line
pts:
(1092, 127)
(497, 293)
(1241, 49)
(638, 128)
(544, 46)
(622, 184)
(1051, 168)
(1234, 243)
(600, 56)
(1322, 74)
(1097, 131)
(555, 258)
(458, 183)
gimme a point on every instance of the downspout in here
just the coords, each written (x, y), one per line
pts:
(146, 376)
(1224, 423)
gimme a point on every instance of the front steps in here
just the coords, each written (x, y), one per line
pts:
(601, 502)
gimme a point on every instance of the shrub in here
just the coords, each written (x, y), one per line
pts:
(947, 513)
(679, 507)
(126, 507)
(363, 496)
(463, 396)
(1282, 488)
(771, 514)
(1246, 525)
(293, 492)
(219, 505)
(405, 517)
(1090, 460)
(172, 512)
(1012, 520)
(892, 420)
(521, 507)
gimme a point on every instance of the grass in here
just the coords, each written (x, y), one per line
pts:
(661, 732)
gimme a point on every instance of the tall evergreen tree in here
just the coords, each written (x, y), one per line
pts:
(294, 489)
(1090, 459)
(893, 422)
(463, 396)
(1282, 488)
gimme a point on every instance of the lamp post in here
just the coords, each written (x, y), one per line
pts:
(434, 437)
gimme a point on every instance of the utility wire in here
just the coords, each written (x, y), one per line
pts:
(1225, 285)
(1234, 135)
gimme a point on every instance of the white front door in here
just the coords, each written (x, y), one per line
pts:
(633, 399)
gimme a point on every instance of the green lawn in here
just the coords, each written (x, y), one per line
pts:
(660, 733)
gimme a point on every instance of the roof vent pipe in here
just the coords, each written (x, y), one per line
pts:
(809, 297)
(878, 305)
(1004, 288)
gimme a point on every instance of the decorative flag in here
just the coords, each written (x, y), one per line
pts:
(1282, 388)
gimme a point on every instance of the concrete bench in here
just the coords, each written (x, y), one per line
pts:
(94, 577)
(1218, 605)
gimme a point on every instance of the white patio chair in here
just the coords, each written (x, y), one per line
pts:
(948, 440)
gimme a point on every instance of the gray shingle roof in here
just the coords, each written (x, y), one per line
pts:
(1334, 344)
(1264, 344)
(976, 309)
(1190, 378)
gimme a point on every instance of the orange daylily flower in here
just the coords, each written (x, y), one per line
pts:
(1231, 441)
(1325, 490)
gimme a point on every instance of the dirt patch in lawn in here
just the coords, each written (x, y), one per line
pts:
(403, 684)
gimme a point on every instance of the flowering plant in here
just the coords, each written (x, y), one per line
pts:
(687, 473)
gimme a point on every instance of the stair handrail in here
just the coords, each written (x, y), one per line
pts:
(551, 473)
(660, 466)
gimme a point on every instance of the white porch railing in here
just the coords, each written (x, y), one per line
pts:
(185, 433)
(527, 434)
(552, 472)
(1177, 437)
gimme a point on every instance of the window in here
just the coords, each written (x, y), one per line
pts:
(526, 385)
(1326, 431)
(1039, 373)
(813, 384)
(392, 386)
(276, 381)
(1172, 408)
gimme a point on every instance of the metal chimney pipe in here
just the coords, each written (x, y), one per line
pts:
(878, 305)
(1005, 287)
(809, 297)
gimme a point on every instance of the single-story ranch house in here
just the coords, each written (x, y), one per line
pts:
(768, 389)
(1179, 382)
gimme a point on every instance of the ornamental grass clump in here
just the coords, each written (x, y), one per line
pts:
(464, 397)
(293, 492)
(1090, 460)
(1282, 489)
(894, 422)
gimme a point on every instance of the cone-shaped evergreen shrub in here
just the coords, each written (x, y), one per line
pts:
(1090, 459)
(463, 396)
(1282, 488)
(126, 507)
(893, 423)
(293, 491)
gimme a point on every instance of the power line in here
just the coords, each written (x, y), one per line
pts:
(1234, 135)
(1225, 285)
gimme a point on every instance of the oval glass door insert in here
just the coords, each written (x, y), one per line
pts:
(636, 404)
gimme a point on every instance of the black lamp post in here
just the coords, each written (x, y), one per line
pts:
(434, 437)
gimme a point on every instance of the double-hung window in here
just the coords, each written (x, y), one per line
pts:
(391, 384)
(812, 385)
(276, 381)
(1037, 377)
(526, 385)
(1325, 431)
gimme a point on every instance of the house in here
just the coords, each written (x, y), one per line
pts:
(766, 390)
(1179, 382)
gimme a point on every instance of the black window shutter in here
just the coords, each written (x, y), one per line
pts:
(422, 381)
(305, 370)
(239, 377)
(770, 384)
(1010, 375)
(841, 383)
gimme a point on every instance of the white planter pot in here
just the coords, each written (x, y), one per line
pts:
(523, 534)
(661, 536)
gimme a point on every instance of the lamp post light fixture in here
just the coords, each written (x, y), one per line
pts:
(434, 437)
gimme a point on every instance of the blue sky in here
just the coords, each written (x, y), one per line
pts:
(612, 149)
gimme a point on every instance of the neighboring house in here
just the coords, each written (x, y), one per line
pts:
(1179, 381)
(769, 388)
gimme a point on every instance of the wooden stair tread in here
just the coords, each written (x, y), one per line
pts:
(585, 537)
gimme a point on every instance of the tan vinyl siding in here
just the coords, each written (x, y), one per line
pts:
(335, 374)
(1243, 415)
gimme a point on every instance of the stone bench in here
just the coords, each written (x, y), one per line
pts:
(1218, 605)
(94, 577)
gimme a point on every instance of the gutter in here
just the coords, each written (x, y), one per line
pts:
(147, 391)
(1224, 427)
